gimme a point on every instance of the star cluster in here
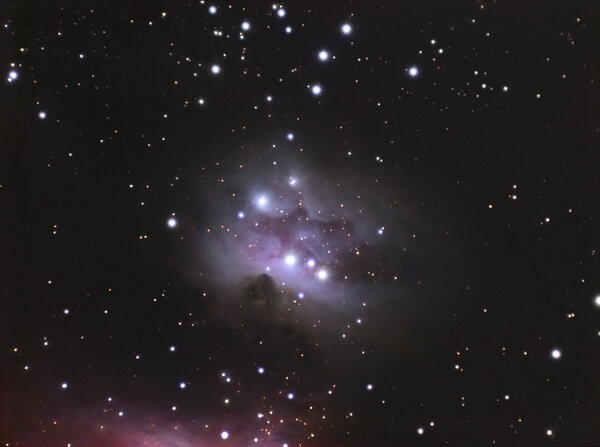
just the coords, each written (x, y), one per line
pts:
(299, 224)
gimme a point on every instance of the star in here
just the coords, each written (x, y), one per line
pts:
(316, 89)
(413, 71)
(346, 28)
(262, 201)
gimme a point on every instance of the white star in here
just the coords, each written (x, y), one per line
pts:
(262, 201)
(316, 89)
(346, 28)
(413, 71)
(215, 69)
(323, 55)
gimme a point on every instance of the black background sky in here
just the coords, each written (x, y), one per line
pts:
(462, 300)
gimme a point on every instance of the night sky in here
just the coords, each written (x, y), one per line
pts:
(299, 224)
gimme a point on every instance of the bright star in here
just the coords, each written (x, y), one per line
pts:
(172, 222)
(42, 115)
(311, 263)
(215, 69)
(64, 385)
(281, 12)
(224, 435)
(262, 201)
(597, 300)
(413, 71)
(246, 26)
(556, 354)
(292, 181)
(323, 55)
(301, 295)
(316, 89)
(288, 29)
(370, 387)
(12, 75)
(290, 259)
(322, 274)
(346, 28)
(241, 215)
(182, 385)
(290, 136)
(261, 370)
(290, 396)
(212, 9)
